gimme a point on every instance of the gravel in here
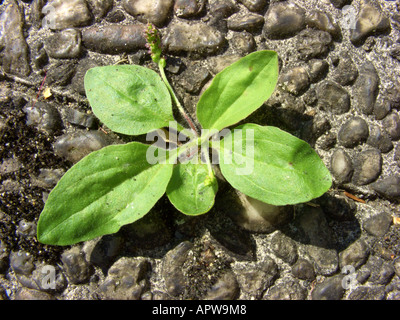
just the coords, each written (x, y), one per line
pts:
(338, 89)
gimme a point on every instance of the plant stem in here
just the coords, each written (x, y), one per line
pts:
(175, 99)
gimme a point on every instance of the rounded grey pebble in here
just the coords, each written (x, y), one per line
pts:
(367, 167)
(367, 293)
(330, 289)
(341, 166)
(77, 269)
(21, 262)
(226, 288)
(379, 139)
(355, 254)
(388, 187)
(354, 132)
(391, 123)
(284, 248)
(333, 97)
(303, 269)
(313, 43)
(66, 44)
(378, 225)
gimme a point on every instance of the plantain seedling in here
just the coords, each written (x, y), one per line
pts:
(119, 184)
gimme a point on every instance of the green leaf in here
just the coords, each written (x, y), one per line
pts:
(238, 90)
(190, 190)
(272, 166)
(128, 99)
(104, 191)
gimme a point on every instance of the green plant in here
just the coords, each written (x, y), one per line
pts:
(119, 184)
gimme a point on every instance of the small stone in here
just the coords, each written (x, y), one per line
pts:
(326, 261)
(42, 276)
(323, 21)
(102, 251)
(77, 269)
(78, 80)
(153, 11)
(243, 43)
(245, 22)
(284, 20)
(395, 51)
(378, 225)
(255, 280)
(379, 139)
(287, 290)
(66, 14)
(341, 166)
(367, 293)
(61, 73)
(284, 248)
(194, 78)
(317, 69)
(64, 45)
(295, 80)
(175, 280)
(391, 123)
(367, 88)
(370, 21)
(333, 97)
(353, 132)
(74, 146)
(382, 107)
(14, 49)
(223, 8)
(367, 167)
(388, 187)
(313, 43)
(22, 263)
(354, 255)
(114, 39)
(330, 289)
(26, 229)
(196, 38)
(226, 288)
(188, 8)
(254, 5)
(219, 63)
(44, 117)
(126, 279)
(381, 271)
(304, 270)
(81, 118)
(346, 72)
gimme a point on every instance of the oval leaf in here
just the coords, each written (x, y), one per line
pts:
(238, 90)
(128, 99)
(272, 166)
(104, 191)
(189, 190)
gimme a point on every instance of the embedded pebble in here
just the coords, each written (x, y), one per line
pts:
(379, 139)
(303, 269)
(317, 68)
(391, 123)
(329, 289)
(346, 72)
(333, 97)
(226, 288)
(41, 277)
(223, 8)
(382, 107)
(26, 229)
(76, 268)
(388, 187)
(62, 14)
(192, 38)
(175, 280)
(32, 294)
(254, 5)
(44, 117)
(14, 48)
(367, 88)
(78, 81)
(126, 279)
(284, 20)
(323, 21)
(76, 145)
(378, 224)
(47, 178)
(245, 21)
(295, 80)
(381, 271)
(313, 43)
(243, 43)
(22, 263)
(100, 8)
(368, 293)
(354, 132)
(341, 166)
(284, 248)
(153, 11)
(367, 167)
(287, 290)
(64, 45)
(326, 261)
(115, 38)
(370, 21)
(188, 8)
(81, 118)
(257, 279)
(101, 252)
(355, 254)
